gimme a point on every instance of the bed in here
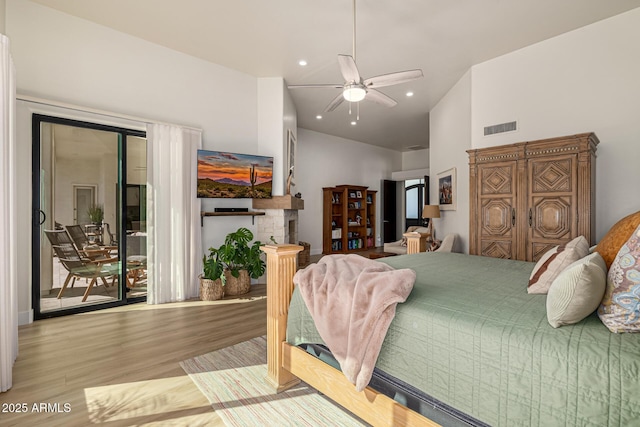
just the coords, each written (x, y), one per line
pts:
(470, 337)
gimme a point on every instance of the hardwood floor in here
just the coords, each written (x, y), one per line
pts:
(119, 366)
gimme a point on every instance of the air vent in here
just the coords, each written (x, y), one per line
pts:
(501, 128)
(416, 147)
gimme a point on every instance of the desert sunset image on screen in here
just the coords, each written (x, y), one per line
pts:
(232, 175)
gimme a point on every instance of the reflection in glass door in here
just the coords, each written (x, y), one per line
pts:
(77, 250)
(414, 189)
(136, 217)
(84, 198)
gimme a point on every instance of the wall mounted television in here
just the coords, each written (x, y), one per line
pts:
(233, 175)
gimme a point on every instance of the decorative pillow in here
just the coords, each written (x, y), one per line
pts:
(554, 262)
(433, 245)
(577, 291)
(620, 308)
(617, 235)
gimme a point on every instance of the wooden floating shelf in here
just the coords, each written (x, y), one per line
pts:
(251, 214)
(287, 202)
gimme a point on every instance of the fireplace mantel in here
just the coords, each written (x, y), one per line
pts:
(279, 202)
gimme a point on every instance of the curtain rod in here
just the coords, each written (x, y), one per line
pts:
(51, 103)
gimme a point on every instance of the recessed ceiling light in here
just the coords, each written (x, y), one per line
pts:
(318, 117)
(302, 62)
(353, 123)
(409, 93)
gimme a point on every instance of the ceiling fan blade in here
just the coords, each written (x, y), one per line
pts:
(380, 98)
(348, 68)
(393, 78)
(336, 86)
(334, 104)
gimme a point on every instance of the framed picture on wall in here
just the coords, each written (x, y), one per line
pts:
(447, 190)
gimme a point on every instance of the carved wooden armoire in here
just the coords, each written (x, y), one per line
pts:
(527, 197)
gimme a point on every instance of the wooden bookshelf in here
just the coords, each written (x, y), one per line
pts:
(349, 219)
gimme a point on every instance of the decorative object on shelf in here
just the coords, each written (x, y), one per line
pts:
(298, 195)
(429, 212)
(291, 157)
(96, 214)
(235, 262)
(447, 190)
(289, 178)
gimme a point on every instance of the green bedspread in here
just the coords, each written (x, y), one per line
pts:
(470, 336)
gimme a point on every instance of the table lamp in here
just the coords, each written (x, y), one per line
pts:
(430, 212)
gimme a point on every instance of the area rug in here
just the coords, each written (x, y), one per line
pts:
(232, 379)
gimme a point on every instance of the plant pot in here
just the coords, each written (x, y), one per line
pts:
(237, 286)
(211, 290)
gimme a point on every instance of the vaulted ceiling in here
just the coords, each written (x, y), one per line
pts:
(268, 38)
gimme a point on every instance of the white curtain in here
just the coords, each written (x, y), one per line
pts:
(174, 248)
(8, 262)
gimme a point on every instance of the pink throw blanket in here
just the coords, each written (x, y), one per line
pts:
(352, 300)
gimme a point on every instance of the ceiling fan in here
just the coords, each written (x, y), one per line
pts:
(354, 88)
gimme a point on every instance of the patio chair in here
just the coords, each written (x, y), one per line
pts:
(113, 239)
(86, 247)
(80, 267)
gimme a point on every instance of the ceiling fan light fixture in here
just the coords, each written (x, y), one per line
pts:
(354, 92)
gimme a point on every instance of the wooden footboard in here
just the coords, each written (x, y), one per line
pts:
(287, 365)
(416, 242)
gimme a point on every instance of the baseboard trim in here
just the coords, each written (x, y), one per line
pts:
(25, 317)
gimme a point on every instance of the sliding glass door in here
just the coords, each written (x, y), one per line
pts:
(80, 259)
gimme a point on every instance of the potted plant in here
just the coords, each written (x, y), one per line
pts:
(234, 263)
(96, 214)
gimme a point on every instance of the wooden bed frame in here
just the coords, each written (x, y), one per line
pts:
(287, 364)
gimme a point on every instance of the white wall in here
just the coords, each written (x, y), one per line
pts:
(327, 161)
(582, 81)
(3, 4)
(587, 80)
(450, 124)
(68, 59)
(289, 123)
(415, 159)
(270, 139)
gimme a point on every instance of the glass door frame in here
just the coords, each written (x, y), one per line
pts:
(422, 193)
(123, 133)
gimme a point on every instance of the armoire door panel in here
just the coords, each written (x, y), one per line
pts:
(496, 210)
(552, 176)
(496, 180)
(496, 217)
(551, 217)
(552, 202)
(498, 249)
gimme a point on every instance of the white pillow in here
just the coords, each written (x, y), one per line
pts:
(554, 262)
(577, 291)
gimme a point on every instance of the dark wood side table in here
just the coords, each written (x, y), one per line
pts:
(376, 255)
